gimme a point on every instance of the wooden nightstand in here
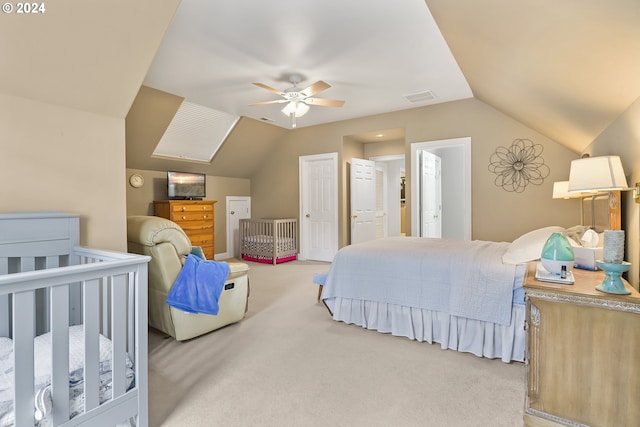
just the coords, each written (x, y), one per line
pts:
(583, 353)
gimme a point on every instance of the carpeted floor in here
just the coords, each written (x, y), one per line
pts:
(289, 364)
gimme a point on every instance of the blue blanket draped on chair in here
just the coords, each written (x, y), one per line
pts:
(198, 286)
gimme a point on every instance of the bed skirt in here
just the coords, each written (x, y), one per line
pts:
(484, 339)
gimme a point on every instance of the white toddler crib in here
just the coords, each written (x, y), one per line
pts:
(73, 327)
(269, 241)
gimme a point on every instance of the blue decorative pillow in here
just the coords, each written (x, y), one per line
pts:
(197, 251)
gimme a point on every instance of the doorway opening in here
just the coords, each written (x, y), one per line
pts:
(455, 155)
(390, 197)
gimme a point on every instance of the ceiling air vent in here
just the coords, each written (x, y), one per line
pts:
(426, 95)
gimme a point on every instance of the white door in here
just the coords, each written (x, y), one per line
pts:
(381, 201)
(319, 206)
(238, 207)
(363, 200)
(430, 185)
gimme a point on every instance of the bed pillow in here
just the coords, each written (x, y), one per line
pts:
(576, 232)
(528, 247)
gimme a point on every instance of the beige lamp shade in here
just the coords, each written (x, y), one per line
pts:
(593, 174)
(561, 191)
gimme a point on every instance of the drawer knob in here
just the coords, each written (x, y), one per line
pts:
(183, 208)
(205, 216)
(184, 217)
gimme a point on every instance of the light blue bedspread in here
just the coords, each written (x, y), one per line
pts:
(462, 278)
(198, 286)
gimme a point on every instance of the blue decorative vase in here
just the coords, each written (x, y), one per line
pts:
(557, 253)
(612, 283)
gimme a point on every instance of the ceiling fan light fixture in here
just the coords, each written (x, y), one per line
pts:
(298, 101)
(297, 108)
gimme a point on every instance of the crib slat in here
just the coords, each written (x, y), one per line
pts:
(4, 316)
(105, 309)
(131, 312)
(91, 299)
(140, 350)
(23, 327)
(118, 328)
(60, 354)
(43, 324)
(5, 323)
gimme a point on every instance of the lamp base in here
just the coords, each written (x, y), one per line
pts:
(612, 272)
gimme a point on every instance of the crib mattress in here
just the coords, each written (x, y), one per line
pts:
(42, 373)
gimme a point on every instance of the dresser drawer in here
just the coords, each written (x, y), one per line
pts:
(200, 238)
(191, 216)
(204, 207)
(196, 225)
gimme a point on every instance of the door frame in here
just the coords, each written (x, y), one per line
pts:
(229, 253)
(457, 188)
(302, 177)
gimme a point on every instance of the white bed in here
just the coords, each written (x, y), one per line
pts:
(457, 293)
(73, 327)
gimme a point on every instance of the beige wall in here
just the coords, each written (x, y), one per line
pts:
(379, 149)
(497, 214)
(60, 159)
(140, 200)
(622, 138)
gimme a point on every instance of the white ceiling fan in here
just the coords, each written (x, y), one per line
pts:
(298, 100)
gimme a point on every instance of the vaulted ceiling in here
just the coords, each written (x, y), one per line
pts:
(566, 69)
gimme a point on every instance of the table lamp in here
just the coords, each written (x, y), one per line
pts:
(604, 173)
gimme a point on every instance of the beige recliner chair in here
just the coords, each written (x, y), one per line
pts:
(168, 246)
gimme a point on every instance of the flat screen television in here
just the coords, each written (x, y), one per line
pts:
(186, 185)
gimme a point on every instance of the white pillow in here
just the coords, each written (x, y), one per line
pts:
(528, 247)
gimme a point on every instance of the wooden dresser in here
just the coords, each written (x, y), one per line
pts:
(195, 217)
(583, 354)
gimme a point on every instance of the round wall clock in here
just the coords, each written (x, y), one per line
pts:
(136, 180)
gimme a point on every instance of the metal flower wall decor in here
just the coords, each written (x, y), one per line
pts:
(518, 165)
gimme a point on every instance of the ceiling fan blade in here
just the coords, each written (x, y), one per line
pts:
(277, 101)
(324, 102)
(317, 87)
(269, 88)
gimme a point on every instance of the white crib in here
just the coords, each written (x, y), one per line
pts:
(269, 241)
(48, 284)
